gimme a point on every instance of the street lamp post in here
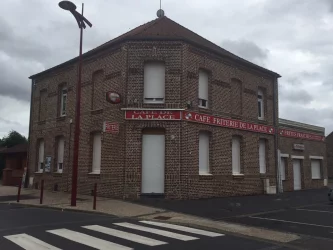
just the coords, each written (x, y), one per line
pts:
(81, 20)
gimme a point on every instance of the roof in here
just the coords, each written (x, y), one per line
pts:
(163, 29)
(19, 148)
(300, 125)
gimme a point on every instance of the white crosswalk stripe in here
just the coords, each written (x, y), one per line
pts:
(124, 235)
(117, 231)
(182, 228)
(88, 240)
(157, 231)
(28, 242)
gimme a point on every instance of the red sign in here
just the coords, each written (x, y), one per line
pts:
(296, 134)
(228, 123)
(153, 114)
(111, 127)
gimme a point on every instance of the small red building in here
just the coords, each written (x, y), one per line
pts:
(16, 160)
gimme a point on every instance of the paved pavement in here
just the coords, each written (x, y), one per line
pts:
(38, 228)
(220, 208)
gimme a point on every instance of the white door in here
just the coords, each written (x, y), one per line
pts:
(153, 154)
(297, 174)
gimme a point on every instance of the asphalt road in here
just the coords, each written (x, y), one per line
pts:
(315, 221)
(37, 228)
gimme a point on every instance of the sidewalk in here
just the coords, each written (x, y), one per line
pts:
(61, 201)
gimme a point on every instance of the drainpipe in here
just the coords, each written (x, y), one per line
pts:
(26, 181)
(276, 134)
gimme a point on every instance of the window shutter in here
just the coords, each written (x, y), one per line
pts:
(261, 110)
(61, 147)
(236, 155)
(203, 152)
(154, 81)
(97, 146)
(283, 168)
(41, 151)
(203, 85)
(315, 169)
(262, 156)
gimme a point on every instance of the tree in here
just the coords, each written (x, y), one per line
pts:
(13, 138)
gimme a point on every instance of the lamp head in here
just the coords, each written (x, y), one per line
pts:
(67, 5)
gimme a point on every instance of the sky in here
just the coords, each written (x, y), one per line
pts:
(291, 37)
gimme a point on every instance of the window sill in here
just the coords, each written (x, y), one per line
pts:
(94, 173)
(57, 173)
(96, 111)
(61, 118)
(317, 179)
(202, 107)
(238, 176)
(39, 172)
(262, 121)
(205, 174)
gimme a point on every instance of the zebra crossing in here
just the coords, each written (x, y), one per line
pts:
(164, 231)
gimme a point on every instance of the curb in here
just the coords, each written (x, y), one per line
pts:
(61, 209)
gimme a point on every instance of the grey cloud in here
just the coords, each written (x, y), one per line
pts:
(247, 50)
(299, 96)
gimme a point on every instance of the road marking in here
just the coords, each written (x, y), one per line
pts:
(294, 222)
(320, 211)
(28, 242)
(88, 240)
(156, 231)
(127, 236)
(182, 228)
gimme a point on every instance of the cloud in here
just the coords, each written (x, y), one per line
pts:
(293, 38)
(295, 96)
(247, 50)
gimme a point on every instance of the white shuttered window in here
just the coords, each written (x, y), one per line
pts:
(203, 89)
(61, 148)
(154, 82)
(41, 156)
(261, 110)
(262, 156)
(97, 152)
(283, 168)
(203, 153)
(315, 169)
(236, 155)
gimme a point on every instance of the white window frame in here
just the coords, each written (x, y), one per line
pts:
(316, 175)
(63, 101)
(154, 76)
(261, 108)
(204, 146)
(203, 86)
(236, 155)
(97, 153)
(262, 156)
(41, 150)
(60, 154)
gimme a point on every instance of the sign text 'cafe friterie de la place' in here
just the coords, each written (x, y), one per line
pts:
(176, 115)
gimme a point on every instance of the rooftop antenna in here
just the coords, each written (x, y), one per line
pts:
(160, 12)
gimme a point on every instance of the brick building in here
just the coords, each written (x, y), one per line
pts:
(303, 155)
(329, 153)
(193, 120)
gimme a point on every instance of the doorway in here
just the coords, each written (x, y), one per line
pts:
(297, 174)
(153, 162)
